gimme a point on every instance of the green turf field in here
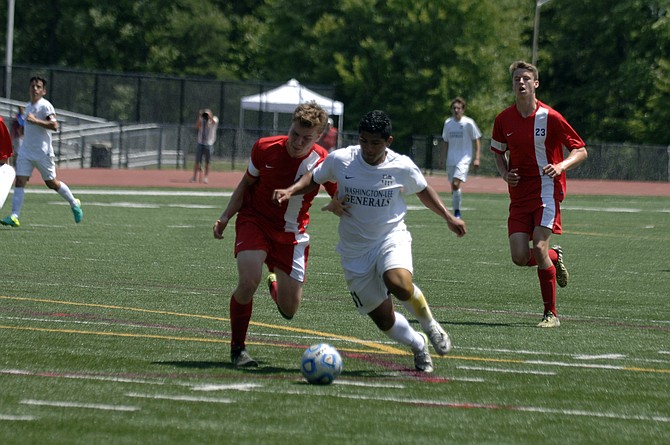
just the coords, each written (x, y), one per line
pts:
(115, 331)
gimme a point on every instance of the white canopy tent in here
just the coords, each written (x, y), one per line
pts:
(285, 98)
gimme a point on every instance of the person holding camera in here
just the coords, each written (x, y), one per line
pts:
(206, 125)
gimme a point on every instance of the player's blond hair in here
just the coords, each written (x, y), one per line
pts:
(311, 115)
(521, 64)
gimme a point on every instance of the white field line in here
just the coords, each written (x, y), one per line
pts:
(226, 387)
(610, 356)
(321, 195)
(178, 398)
(136, 205)
(576, 365)
(20, 372)
(12, 417)
(111, 192)
(510, 371)
(466, 379)
(493, 406)
(368, 384)
(98, 406)
(600, 357)
(93, 323)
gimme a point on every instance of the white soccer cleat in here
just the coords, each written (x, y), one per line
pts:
(422, 360)
(439, 339)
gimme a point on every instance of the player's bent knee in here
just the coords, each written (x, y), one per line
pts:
(520, 261)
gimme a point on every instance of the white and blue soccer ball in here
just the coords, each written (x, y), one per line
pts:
(321, 364)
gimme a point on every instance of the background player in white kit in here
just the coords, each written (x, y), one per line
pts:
(375, 245)
(38, 152)
(460, 134)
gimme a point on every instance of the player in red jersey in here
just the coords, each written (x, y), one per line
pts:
(7, 173)
(6, 149)
(270, 234)
(527, 141)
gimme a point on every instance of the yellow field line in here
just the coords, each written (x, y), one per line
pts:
(377, 346)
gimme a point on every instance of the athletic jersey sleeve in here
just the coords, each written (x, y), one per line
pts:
(474, 129)
(323, 173)
(445, 131)
(570, 139)
(415, 182)
(498, 141)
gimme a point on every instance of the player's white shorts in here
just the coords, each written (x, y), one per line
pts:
(45, 164)
(459, 171)
(364, 273)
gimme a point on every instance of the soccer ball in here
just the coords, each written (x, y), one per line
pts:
(321, 364)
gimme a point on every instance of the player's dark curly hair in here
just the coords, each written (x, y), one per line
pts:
(376, 122)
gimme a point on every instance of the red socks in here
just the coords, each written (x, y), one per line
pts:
(240, 315)
(273, 291)
(553, 256)
(547, 279)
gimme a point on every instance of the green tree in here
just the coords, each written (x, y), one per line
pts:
(408, 58)
(607, 69)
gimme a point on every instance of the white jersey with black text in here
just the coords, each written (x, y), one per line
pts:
(374, 195)
(37, 140)
(460, 136)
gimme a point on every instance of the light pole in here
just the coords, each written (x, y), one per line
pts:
(9, 48)
(536, 28)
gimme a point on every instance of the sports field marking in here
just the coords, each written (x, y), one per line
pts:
(125, 205)
(376, 348)
(485, 406)
(98, 406)
(372, 345)
(18, 418)
(368, 384)
(101, 192)
(136, 205)
(225, 387)
(66, 375)
(178, 398)
(374, 351)
(600, 357)
(509, 371)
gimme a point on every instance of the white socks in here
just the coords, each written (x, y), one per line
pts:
(17, 201)
(456, 198)
(65, 192)
(402, 332)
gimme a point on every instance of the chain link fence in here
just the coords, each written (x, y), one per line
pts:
(118, 120)
(621, 162)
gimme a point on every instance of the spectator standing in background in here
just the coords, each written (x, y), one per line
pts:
(329, 136)
(206, 125)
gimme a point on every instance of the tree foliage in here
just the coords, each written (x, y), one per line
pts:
(604, 65)
(607, 67)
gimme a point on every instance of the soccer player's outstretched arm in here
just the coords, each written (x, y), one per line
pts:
(432, 201)
(303, 185)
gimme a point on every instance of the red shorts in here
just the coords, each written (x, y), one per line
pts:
(526, 215)
(285, 251)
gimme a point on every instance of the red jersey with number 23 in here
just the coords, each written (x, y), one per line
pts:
(275, 169)
(534, 142)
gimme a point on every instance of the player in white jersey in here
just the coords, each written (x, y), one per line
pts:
(460, 134)
(37, 153)
(375, 246)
